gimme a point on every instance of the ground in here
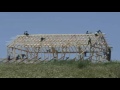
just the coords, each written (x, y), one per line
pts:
(60, 69)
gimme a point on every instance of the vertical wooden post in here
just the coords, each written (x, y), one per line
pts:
(14, 53)
(7, 52)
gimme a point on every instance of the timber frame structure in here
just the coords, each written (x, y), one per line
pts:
(59, 47)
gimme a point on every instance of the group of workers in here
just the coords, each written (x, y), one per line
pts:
(22, 56)
(89, 41)
(96, 34)
(27, 34)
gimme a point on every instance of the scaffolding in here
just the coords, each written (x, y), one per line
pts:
(59, 47)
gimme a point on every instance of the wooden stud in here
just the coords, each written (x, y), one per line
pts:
(33, 46)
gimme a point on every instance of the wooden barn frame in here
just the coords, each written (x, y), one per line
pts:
(59, 47)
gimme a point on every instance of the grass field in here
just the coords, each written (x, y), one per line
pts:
(61, 69)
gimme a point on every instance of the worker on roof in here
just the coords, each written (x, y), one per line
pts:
(26, 33)
(87, 32)
(89, 41)
(99, 31)
(42, 39)
(96, 33)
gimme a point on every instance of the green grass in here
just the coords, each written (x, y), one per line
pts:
(61, 69)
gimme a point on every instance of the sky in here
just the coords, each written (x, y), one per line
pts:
(15, 23)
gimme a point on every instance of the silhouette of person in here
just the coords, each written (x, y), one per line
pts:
(26, 33)
(89, 41)
(42, 39)
(87, 32)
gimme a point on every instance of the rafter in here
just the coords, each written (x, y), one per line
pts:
(58, 44)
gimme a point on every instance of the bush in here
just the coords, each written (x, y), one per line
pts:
(83, 64)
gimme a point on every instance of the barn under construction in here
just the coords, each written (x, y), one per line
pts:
(59, 47)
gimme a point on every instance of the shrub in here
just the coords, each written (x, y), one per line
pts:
(83, 64)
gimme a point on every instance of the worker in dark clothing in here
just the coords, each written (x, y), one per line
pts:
(9, 57)
(109, 54)
(67, 58)
(23, 55)
(48, 50)
(39, 58)
(18, 57)
(99, 31)
(96, 33)
(87, 32)
(89, 41)
(85, 53)
(26, 33)
(55, 58)
(42, 39)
